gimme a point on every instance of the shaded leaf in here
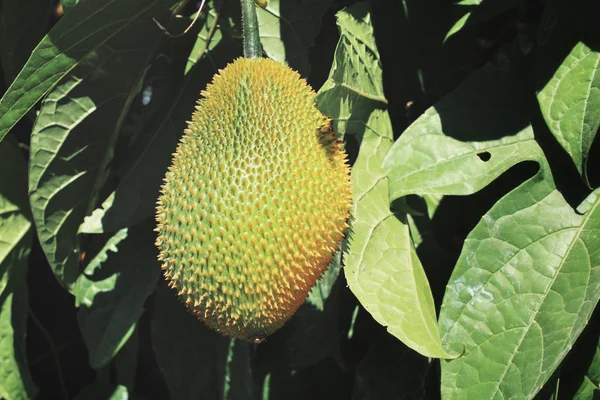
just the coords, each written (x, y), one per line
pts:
(570, 103)
(480, 12)
(390, 371)
(381, 265)
(109, 317)
(74, 138)
(74, 40)
(134, 199)
(103, 391)
(322, 289)
(238, 383)
(186, 350)
(126, 362)
(590, 386)
(22, 26)
(15, 246)
(466, 140)
(288, 28)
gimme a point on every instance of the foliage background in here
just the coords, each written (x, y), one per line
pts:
(470, 127)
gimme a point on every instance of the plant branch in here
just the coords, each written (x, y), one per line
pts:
(252, 46)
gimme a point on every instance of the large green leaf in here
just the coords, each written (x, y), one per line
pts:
(113, 303)
(288, 28)
(76, 39)
(188, 353)
(74, 138)
(570, 103)
(523, 289)
(15, 246)
(381, 265)
(22, 25)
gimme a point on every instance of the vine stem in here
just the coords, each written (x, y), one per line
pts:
(252, 47)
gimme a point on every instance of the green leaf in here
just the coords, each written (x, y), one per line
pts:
(74, 40)
(67, 5)
(355, 84)
(523, 289)
(587, 390)
(238, 382)
(288, 28)
(381, 265)
(186, 350)
(458, 25)
(390, 371)
(570, 103)
(321, 291)
(113, 304)
(445, 151)
(74, 138)
(103, 391)
(15, 246)
(161, 125)
(126, 362)
(22, 26)
(590, 386)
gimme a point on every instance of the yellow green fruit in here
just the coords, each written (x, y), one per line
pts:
(255, 202)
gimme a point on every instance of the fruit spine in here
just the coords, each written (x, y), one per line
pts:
(255, 202)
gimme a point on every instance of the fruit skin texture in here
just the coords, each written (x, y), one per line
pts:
(255, 202)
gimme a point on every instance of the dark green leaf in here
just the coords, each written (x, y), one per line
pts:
(140, 178)
(15, 246)
(321, 291)
(126, 362)
(188, 352)
(238, 382)
(74, 138)
(288, 28)
(22, 26)
(390, 371)
(75, 40)
(103, 391)
(112, 306)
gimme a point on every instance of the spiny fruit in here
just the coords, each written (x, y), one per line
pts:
(255, 202)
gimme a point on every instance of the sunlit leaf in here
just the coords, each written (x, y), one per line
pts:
(381, 265)
(523, 289)
(570, 103)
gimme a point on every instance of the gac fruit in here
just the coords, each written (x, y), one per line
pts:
(255, 202)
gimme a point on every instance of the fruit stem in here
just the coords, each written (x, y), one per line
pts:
(252, 46)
